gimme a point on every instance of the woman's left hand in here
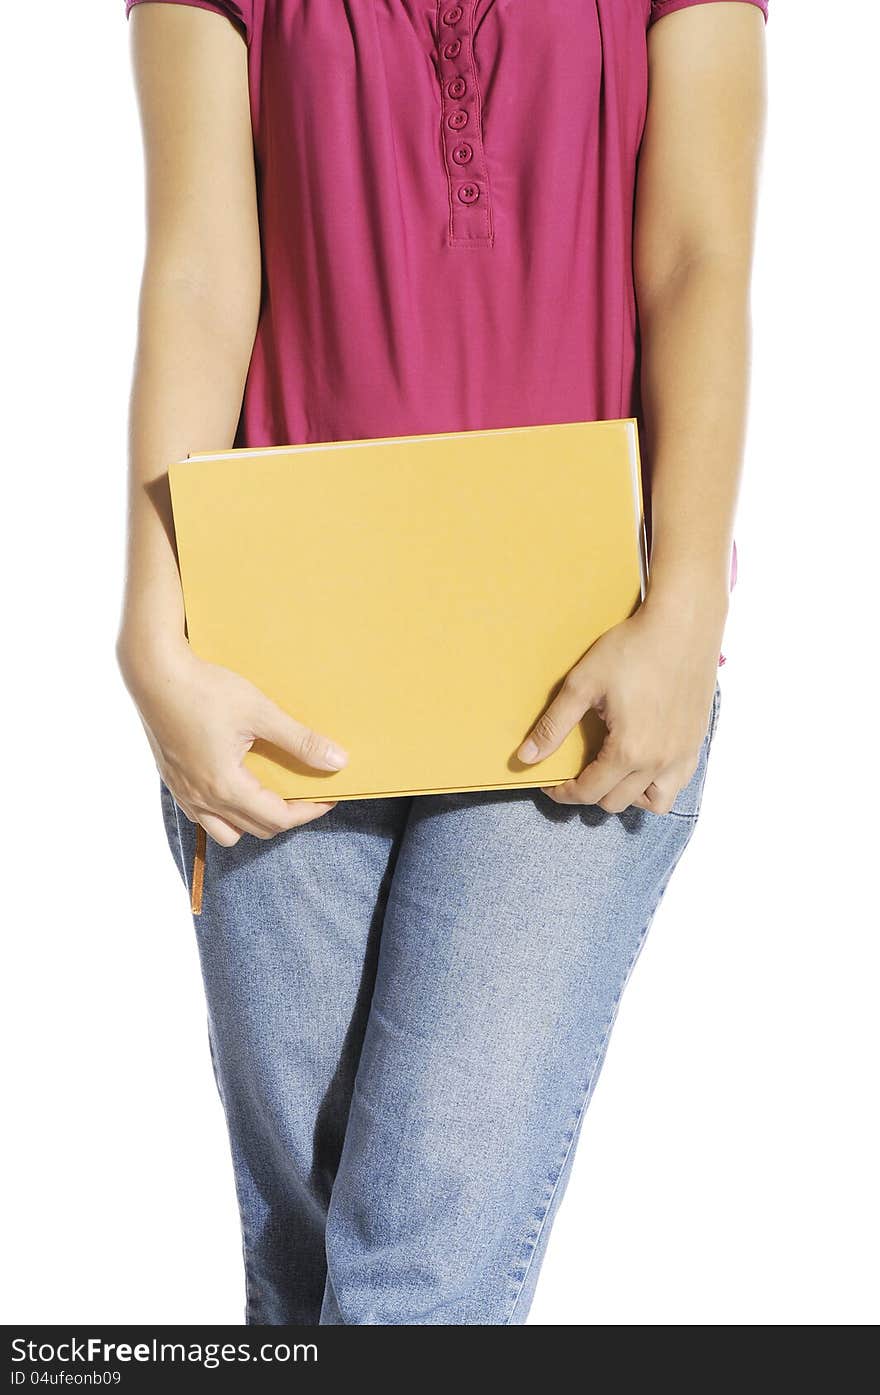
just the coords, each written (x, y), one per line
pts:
(651, 679)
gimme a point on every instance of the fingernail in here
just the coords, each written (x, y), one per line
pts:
(336, 758)
(528, 750)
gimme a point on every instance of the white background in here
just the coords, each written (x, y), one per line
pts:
(727, 1168)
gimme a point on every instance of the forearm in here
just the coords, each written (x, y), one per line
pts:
(193, 351)
(695, 370)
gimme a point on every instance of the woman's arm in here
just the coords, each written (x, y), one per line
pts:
(200, 288)
(695, 215)
(199, 303)
(652, 678)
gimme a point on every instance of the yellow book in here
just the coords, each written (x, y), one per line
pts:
(418, 598)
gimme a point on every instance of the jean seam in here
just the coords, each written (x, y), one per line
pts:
(179, 834)
(716, 708)
(591, 1081)
(694, 814)
(183, 864)
(248, 1295)
(246, 1247)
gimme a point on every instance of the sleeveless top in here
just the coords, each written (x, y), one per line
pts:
(446, 196)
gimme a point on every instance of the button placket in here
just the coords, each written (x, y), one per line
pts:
(461, 134)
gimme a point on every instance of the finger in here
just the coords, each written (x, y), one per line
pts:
(307, 810)
(598, 778)
(243, 807)
(232, 801)
(300, 812)
(657, 797)
(249, 806)
(627, 792)
(222, 832)
(296, 812)
(667, 785)
(250, 800)
(556, 792)
(556, 721)
(306, 745)
(226, 831)
(565, 793)
(240, 820)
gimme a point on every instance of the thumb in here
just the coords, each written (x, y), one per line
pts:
(575, 697)
(277, 726)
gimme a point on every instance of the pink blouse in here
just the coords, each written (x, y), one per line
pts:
(446, 201)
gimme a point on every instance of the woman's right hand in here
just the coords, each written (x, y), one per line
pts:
(201, 720)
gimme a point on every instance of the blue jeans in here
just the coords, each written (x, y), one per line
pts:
(409, 1002)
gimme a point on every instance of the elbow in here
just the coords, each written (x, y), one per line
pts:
(720, 270)
(218, 300)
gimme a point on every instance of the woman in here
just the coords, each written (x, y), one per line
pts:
(390, 217)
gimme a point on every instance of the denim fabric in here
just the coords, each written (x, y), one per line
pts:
(409, 1002)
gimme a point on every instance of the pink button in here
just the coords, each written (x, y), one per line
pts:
(453, 14)
(456, 88)
(457, 120)
(463, 154)
(468, 193)
(452, 50)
